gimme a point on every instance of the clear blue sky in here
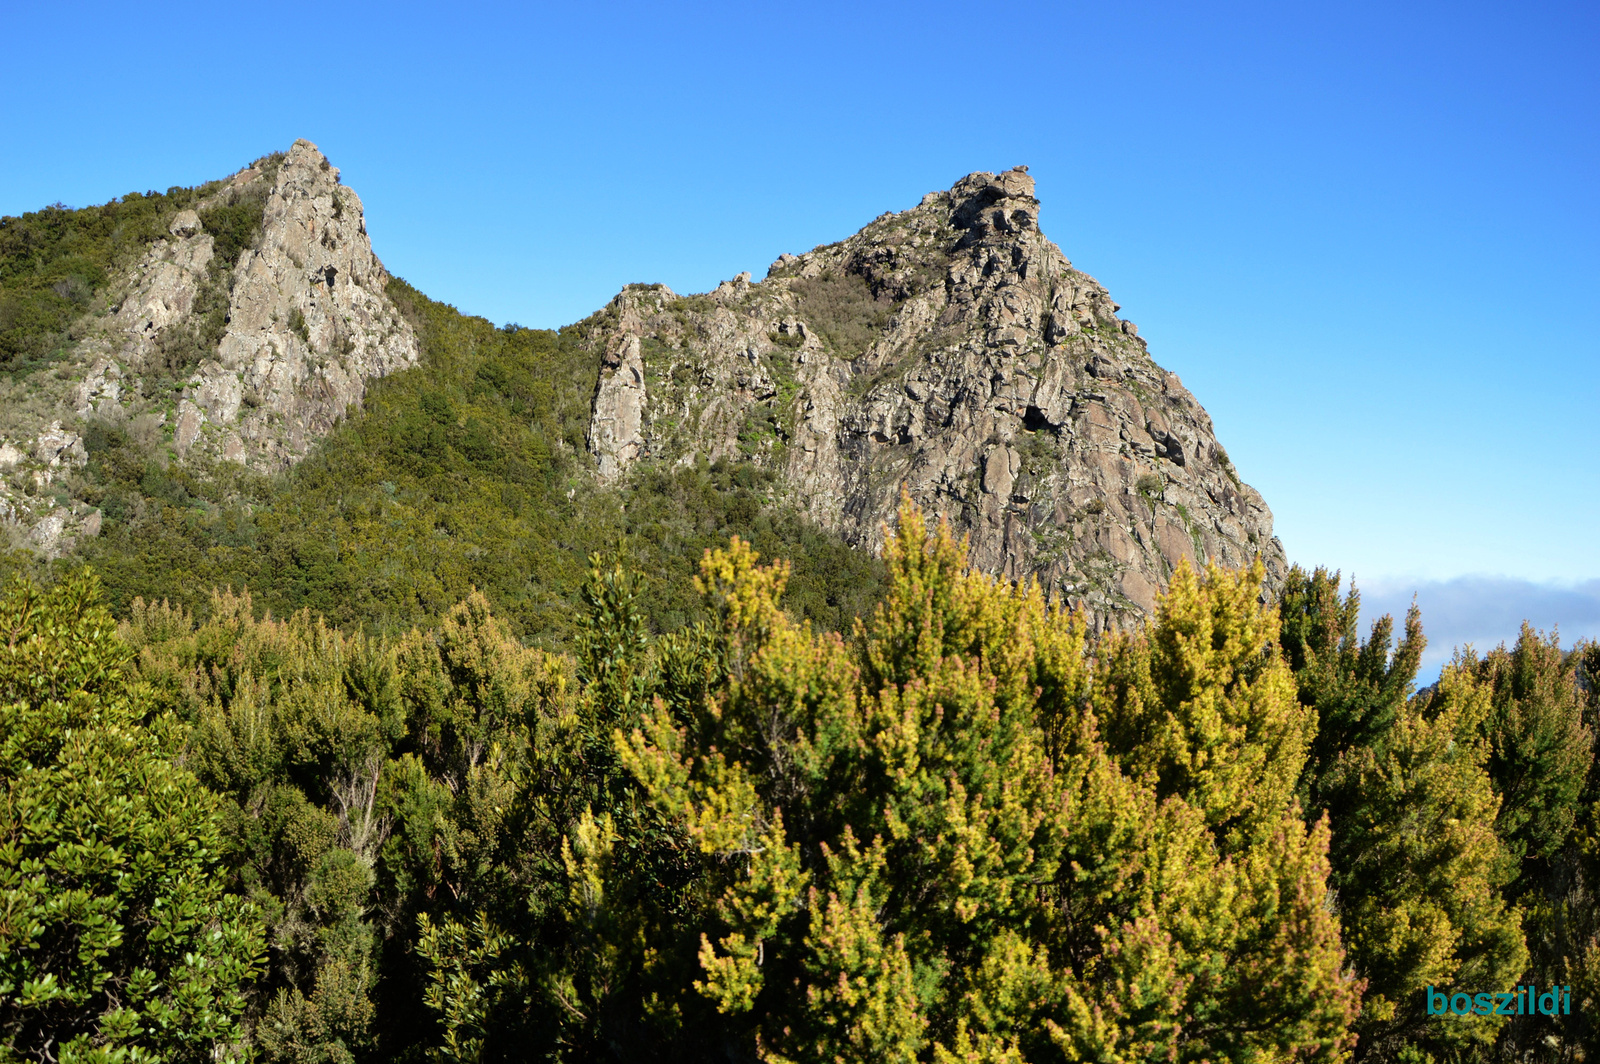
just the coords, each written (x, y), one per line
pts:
(1366, 235)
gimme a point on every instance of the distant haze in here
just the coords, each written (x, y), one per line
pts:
(1483, 611)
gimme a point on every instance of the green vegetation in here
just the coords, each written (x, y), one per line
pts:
(970, 727)
(789, 340)
(968, 829)
(469, 472)
(432, 749)
(54, 262)
(843, 309)
(118, 939)
(1227, 464)
(234, 223)
(1463, 820)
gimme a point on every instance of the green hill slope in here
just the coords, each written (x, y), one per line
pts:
(466, 472)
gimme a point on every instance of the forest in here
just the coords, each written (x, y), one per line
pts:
(962, 829)
(427, 750)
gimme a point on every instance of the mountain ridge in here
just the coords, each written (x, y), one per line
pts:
(950, 350)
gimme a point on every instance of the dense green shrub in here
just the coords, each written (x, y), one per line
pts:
(911, 846)
(1463, 820)
(972, 831)
(842, 307)
(53, 261)
(117, 940)
(235, 223)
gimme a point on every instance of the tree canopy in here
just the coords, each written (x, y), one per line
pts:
(118, 938)
(964, 829)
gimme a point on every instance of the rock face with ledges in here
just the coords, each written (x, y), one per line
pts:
(250, 360)
(308, 324)
(953, 350)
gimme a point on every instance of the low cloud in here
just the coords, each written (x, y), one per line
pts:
(1482, 610)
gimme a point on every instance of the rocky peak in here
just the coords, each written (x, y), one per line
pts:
(308, 324)
(990, 207)
(248, 354)
(951, 349)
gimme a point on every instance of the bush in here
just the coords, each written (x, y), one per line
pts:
(116, 936)
(235, 224)
(53, 261)
(842, 307)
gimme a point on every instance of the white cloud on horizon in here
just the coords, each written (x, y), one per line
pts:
(1484, 611)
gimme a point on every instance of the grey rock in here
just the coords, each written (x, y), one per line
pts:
(190, 420)
(308, 320)
(100, 390)
(308, 324)
(279, 387)
(618, 409)
(46, 535)
(56, 446)
(950, 350)
(185, 223)
(163, 289)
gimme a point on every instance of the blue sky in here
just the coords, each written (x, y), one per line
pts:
(1366, 235)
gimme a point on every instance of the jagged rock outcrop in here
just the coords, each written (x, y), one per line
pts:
(615, 427)
(308, 323)
(249, 360)
(950, 350)
(954, 350)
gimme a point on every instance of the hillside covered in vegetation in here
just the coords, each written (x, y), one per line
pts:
(967, 829)
(467, 472)
(420, 689)
(195, 350)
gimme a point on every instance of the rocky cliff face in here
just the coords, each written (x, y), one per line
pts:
(954, 350)
(950, 349)
(246, 358)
